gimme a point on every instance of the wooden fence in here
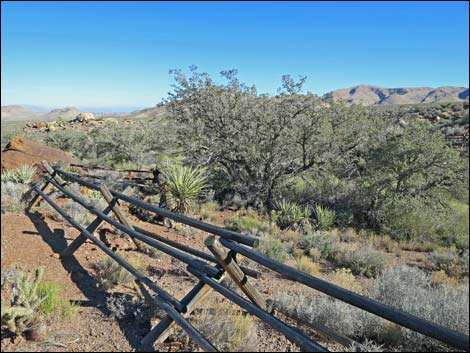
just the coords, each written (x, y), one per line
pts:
(226, 248)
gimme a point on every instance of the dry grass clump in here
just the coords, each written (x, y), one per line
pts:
(344, 278)
(227, 327)
(306, 265)
(111, 274)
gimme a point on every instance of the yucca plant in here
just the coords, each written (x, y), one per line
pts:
(26, 173)
(325, 216)
(290, 215)
(185, 185)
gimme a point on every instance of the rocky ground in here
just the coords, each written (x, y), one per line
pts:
(41, 238)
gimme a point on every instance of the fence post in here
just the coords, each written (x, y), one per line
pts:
(235, 272)
(114, 205)
(37, 198)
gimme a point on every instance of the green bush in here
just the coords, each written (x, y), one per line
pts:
(323, 241)
(185, 185)
(450, 261)
(208, 210)
(290, 215)
(273, 248)
(110, 273)
(362, 261)
(248, 222)
(53, 303)
(325, 217)
(12, 196)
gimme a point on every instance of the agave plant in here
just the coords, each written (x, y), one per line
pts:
(290, 214)
(184, 184)
(325, 216)
(25, 174)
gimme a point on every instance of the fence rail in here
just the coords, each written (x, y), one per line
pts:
(210, 269)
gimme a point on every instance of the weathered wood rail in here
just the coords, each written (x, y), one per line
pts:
(224, 245)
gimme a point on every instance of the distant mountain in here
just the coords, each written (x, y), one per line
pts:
(20, 113)
(68, 113)
(374, 95)
(17, 113)
(153, 112)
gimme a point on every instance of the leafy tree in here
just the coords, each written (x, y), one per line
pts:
(251, 142)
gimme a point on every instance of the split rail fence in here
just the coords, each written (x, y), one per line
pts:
(226, 248)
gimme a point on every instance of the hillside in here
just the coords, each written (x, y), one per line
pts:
(374, 95)
(19, 113)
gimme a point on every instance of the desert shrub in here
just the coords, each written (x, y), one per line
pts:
(273, 248)
(441, 278)
(324, 216)
(8, 175)
(405, 288)
(411, 290)
(344, 278)
(362, 261)
(455, 230)
(290, 215)
(248, 222)
(366, 346)
(110, 273)
(425, 246)
(315, 254)
(12, 197)
(208, 210)
(348, 235)
(306, 265)
(450, 261)
(290, 236)
(80, 214)
(324, 241)
(384, 242)
(185, 185)
(227, 327)
(324, 310)
(53, 303)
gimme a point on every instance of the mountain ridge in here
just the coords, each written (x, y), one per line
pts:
(367, 95)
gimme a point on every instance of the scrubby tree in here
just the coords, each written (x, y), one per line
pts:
(251, 141)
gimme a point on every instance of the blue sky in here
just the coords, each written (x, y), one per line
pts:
(118, 54)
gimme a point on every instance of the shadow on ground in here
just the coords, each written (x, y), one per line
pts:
(84, 281)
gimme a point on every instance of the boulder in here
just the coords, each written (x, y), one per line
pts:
(84, 117)
(21, 151)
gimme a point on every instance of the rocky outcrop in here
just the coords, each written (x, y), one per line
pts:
(21, 151)
(83, 117)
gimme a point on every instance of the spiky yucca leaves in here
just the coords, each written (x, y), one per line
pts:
(25, 173)
(25, 302)
(325, 216)
(22, 175)
(290, 215)
(185, 185)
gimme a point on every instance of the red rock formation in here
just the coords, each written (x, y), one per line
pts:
(21, 151)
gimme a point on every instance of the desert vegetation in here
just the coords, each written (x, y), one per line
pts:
(374, 200)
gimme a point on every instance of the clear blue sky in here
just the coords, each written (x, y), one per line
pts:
(115, 54)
